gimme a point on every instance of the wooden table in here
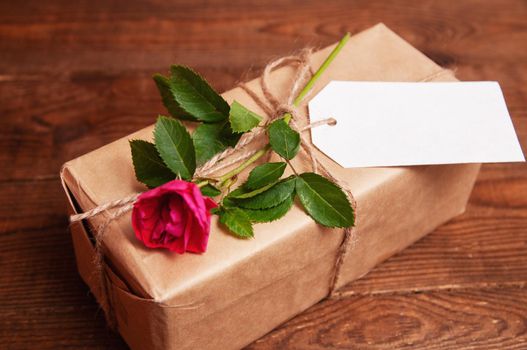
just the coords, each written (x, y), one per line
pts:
(75, 75)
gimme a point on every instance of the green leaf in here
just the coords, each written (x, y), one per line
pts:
(210, 191)
(324, 201)
(265, 174)
(228, 203)
(163, 85)
(175, 147)
(271, 197)
(270, 214)
(284, 140)
(216, 211)
(148, 165)
(211, 139)
(237, 222)
(242, 119)
(196, 97)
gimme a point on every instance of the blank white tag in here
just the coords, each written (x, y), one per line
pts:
(395, 124)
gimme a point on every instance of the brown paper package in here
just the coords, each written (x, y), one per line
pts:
(240, 290)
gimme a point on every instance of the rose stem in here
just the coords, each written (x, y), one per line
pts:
(287, 116)
(202, 183)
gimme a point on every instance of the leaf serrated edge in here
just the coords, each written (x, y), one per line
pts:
(247, 112)
(280, 169)
(315, 219)
(170, 103)
(224, 214)
(135, 150)
(288, 203)
(191, 170)
(224, 113)
(272, 131)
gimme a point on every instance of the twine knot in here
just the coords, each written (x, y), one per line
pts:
(285, 108)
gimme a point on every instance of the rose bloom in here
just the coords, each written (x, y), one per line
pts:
(175, 216)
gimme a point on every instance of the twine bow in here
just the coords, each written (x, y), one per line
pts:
(273, 108)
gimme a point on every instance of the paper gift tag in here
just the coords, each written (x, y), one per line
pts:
(395, 124)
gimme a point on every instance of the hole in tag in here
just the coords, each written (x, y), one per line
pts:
(332, 121)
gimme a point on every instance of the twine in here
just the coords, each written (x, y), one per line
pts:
(273, 108)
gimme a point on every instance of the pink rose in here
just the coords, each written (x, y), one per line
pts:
(175, 216)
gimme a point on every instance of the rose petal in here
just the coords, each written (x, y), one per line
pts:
(175, 216)
(180, 245)
(198, 241)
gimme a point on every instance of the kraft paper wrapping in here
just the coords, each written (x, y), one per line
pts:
(241, 289)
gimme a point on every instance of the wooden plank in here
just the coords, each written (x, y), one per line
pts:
(48, 124)
(468, 319)
(240, 31)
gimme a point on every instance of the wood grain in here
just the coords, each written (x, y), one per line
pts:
(76, 75)
(483, 318)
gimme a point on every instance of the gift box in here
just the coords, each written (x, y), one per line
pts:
(240, 290)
